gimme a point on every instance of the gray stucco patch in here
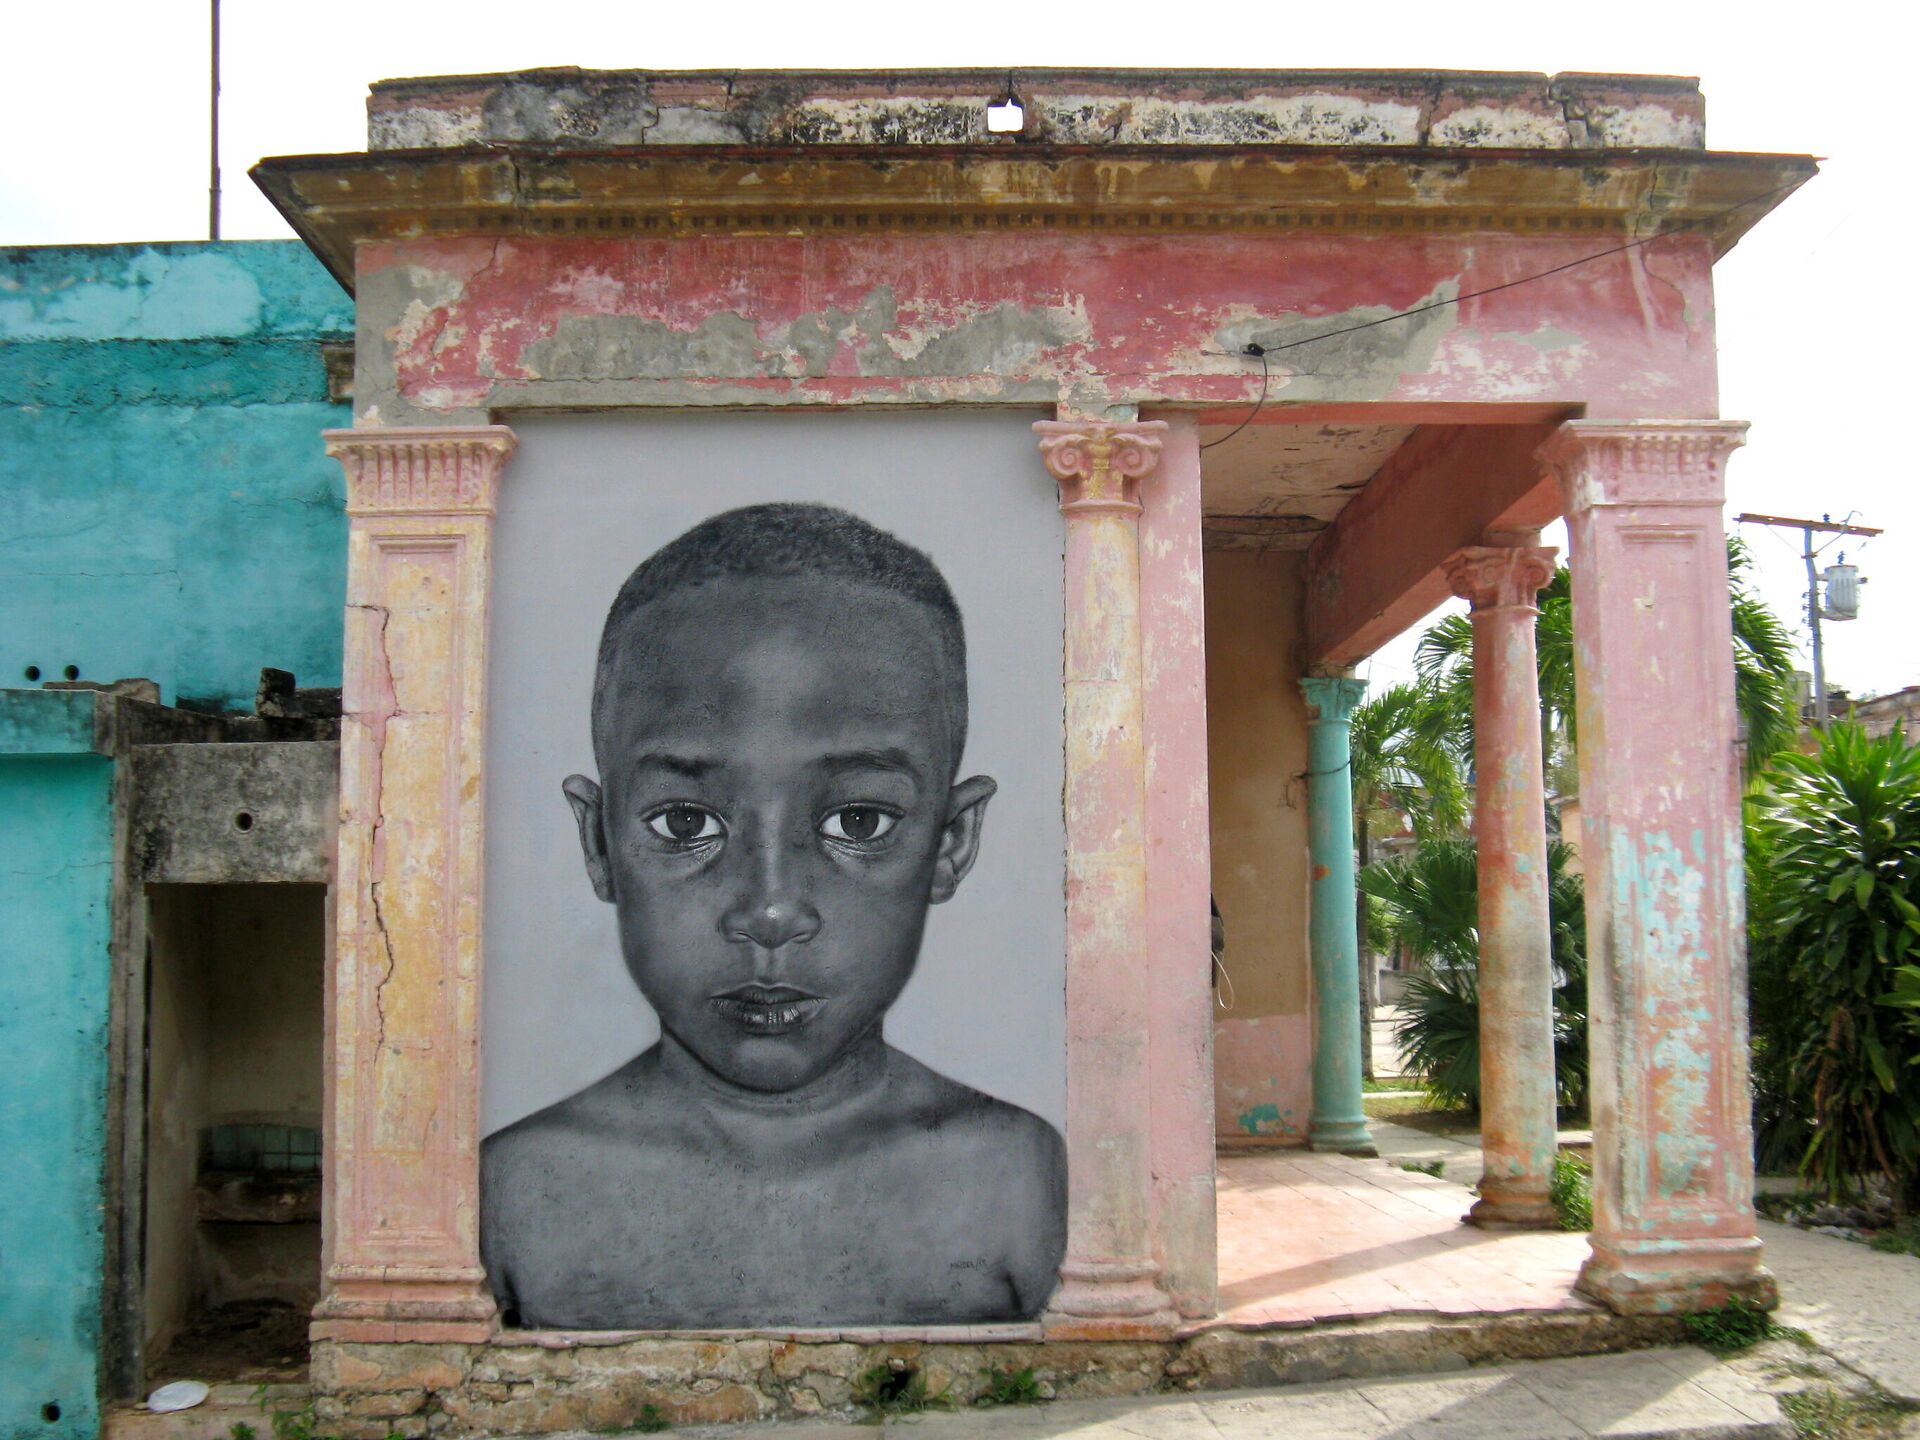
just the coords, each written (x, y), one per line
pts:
(1350, 363)
(728, 346)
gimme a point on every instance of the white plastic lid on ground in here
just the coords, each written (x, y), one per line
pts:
(177, 1395)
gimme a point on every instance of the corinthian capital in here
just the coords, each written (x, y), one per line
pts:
(1332, 699)
(1493, 577)
(440, 470)
(1099, 466)
(1642, 462)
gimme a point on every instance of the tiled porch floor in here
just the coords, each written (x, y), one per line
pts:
(1307, 1237)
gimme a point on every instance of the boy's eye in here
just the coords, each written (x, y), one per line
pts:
(684, 823)
(858, 823)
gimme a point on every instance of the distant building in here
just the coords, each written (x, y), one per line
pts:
(1878, 715)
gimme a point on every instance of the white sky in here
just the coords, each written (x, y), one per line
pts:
(105, 107)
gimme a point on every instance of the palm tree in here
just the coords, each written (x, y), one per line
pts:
(1762, 668)
(1404, 764)
(1428, 902)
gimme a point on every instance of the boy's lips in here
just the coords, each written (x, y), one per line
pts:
(767, 1009)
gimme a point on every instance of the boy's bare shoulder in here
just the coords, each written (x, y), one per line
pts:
(1009, 1164)
(611, 1111)
(929, 1102)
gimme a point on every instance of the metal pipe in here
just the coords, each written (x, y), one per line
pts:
(213, 131)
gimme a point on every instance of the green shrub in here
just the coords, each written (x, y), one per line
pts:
(1440, 1036)
(1824, 1413)
(1571, 1190)
(896, 1389)
(1428, 900)
(1900, 1238)
(1737, 1325)
(1834, 842)
(1008, 1386)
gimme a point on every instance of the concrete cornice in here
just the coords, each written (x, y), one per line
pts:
(336, 201)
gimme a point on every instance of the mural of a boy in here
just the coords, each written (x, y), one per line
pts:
(779, 714)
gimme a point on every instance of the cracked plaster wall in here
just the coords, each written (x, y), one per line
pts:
(168, 511)
(165, 511)
(451, 329)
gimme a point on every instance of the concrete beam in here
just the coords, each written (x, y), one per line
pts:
(230, 814)
(1380, 567)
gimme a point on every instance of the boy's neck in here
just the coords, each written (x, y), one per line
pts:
(860, 1072)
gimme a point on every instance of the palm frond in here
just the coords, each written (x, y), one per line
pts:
(1404, 760)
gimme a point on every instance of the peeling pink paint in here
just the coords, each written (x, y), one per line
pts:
(400, 1229)
(1519, 1134)
(1110, 1279)
(1263, 1071)
(1180, 1037)
(507, 322)
(1673, 1150)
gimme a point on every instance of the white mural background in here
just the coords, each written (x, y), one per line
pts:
(585, 499)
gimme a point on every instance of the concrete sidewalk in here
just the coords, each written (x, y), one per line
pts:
(1675, 1394)
(1860, 1305)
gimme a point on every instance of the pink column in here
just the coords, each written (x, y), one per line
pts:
(1109, 1280)
(401, 1241)
(1518, 1129)
(1659, 788)
(1173, 659)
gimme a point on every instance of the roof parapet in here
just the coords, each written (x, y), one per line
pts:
(586, 109)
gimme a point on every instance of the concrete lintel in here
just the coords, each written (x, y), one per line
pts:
(227, 814)
(1377, 570)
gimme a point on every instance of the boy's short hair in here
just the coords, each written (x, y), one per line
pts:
(791, 539)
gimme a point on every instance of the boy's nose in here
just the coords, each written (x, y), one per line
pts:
(769, 924)
(772, 909)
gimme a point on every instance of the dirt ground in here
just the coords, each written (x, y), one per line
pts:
(250, 1341)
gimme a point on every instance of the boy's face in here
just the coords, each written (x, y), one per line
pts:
(776, 814)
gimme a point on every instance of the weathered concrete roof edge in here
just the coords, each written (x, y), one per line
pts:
(336, 201)
(986, 79)
(1439, 108)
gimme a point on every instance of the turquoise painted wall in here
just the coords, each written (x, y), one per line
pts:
(56, 878)
(165, 508)
(165, 511)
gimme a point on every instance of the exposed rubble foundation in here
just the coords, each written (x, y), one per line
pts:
(539, 1382)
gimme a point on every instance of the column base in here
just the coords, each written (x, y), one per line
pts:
(1508, 1207)
(1346, 1137)
(374, 1304)
(1676, 1277)
(1109, 1300)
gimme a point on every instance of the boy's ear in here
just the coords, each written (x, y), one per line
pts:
(960, 840)
(584, 796)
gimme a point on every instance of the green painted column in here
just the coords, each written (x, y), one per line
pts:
(1338, 1122)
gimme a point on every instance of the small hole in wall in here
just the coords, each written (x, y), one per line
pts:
(50, 1412)
(243, 820)
(72, 672)
(33, 672)
(1006, 117)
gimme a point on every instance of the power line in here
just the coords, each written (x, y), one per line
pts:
(1260, 352)
(1678, 229)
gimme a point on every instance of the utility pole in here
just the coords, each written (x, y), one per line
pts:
(213, 135)
(1808, 528)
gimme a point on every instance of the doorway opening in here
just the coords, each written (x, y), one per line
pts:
(234, 1066)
